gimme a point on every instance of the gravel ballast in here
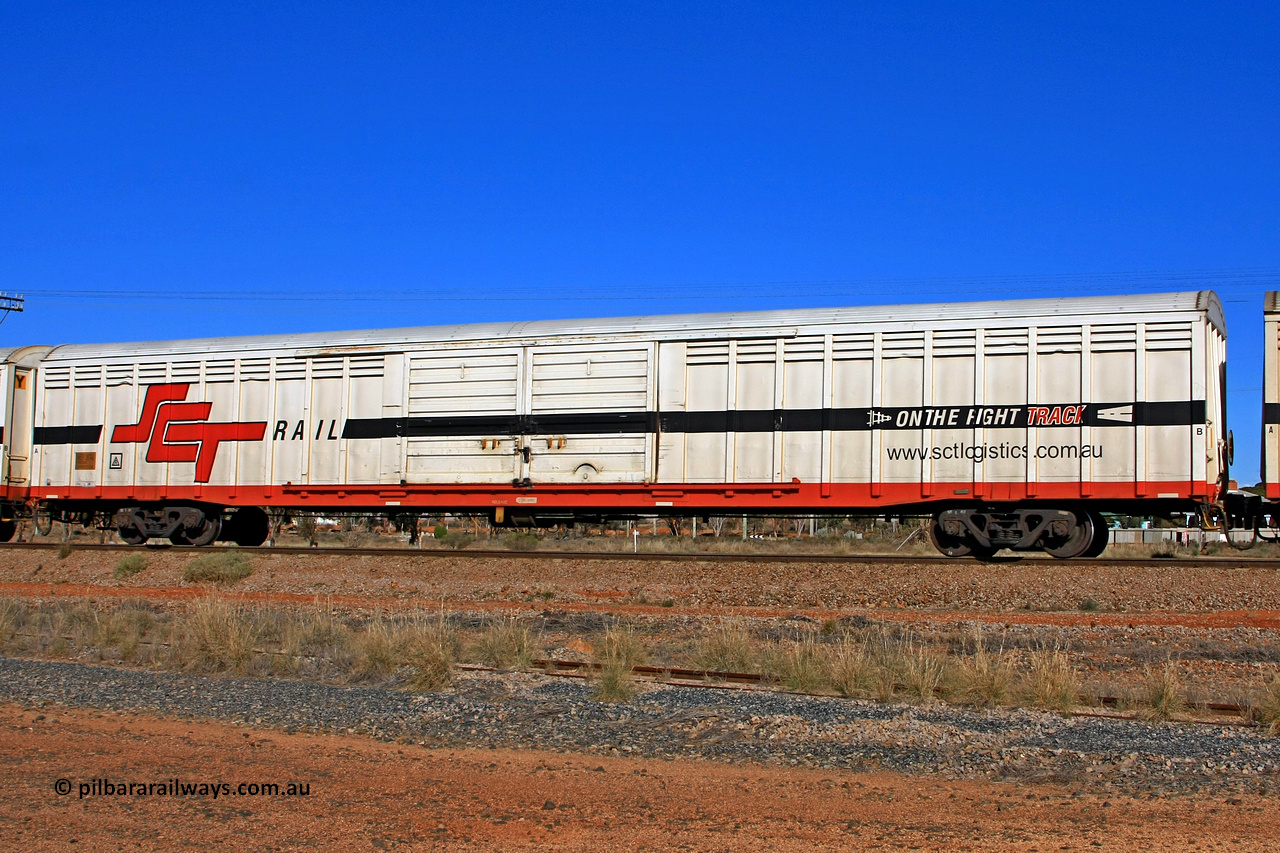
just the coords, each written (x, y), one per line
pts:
(522, 710)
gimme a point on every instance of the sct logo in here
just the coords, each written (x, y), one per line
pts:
(178, 432)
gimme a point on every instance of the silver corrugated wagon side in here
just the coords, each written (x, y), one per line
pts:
(1271, 394)
(1013, 423)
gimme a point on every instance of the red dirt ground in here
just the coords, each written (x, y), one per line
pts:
(367, 795)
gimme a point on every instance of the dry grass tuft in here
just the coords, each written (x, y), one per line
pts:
(620, 644)
(74, 627)
(617, 652)
(225, 567)
(214, 636)
(614, 682)
(853, 672)
(376, 653)
(310, 640)
(887, 664)
(984, 679)
(1053, 683)
(1266, 705)
(1163, 693)
(506, 643)
(727, 648)
(923, 671)
(12, 615)
(428, 649)
(802, 666)
(124, 629)
(425, 647)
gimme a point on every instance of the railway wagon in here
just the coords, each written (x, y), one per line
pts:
(1271, 395)
(1011, 424)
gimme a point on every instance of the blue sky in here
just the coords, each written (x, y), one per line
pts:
(174, 170)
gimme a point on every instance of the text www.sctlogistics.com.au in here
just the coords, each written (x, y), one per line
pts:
(1004, 450)
(180, 788)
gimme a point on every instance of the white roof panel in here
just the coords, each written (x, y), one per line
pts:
(668, 326)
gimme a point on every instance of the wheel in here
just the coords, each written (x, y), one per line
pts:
(1101, 536)
(205, 534)
(954, 546)
(7, 529)
(250, 527)
(130, 535)
(1078, 541)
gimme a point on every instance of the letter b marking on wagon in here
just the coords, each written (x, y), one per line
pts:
(177, 431)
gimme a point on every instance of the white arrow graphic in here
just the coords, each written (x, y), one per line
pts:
(1119, 413)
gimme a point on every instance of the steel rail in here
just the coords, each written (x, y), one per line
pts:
(1217, 713)
(642, 556)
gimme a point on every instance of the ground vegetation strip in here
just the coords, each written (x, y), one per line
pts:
(519, 710)
(972, 664)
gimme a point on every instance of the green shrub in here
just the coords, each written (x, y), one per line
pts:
(224, 567)
(521, 541)
(458, 541)
(441, 532)
(130, 566)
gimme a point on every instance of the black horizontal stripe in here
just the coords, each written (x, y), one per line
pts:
(578, 423)
(1169, 414)
(67, 435)
(1048, 416)
(1271, 413)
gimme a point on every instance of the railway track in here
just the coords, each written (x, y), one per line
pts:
(642, 556)
(1208, 713)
